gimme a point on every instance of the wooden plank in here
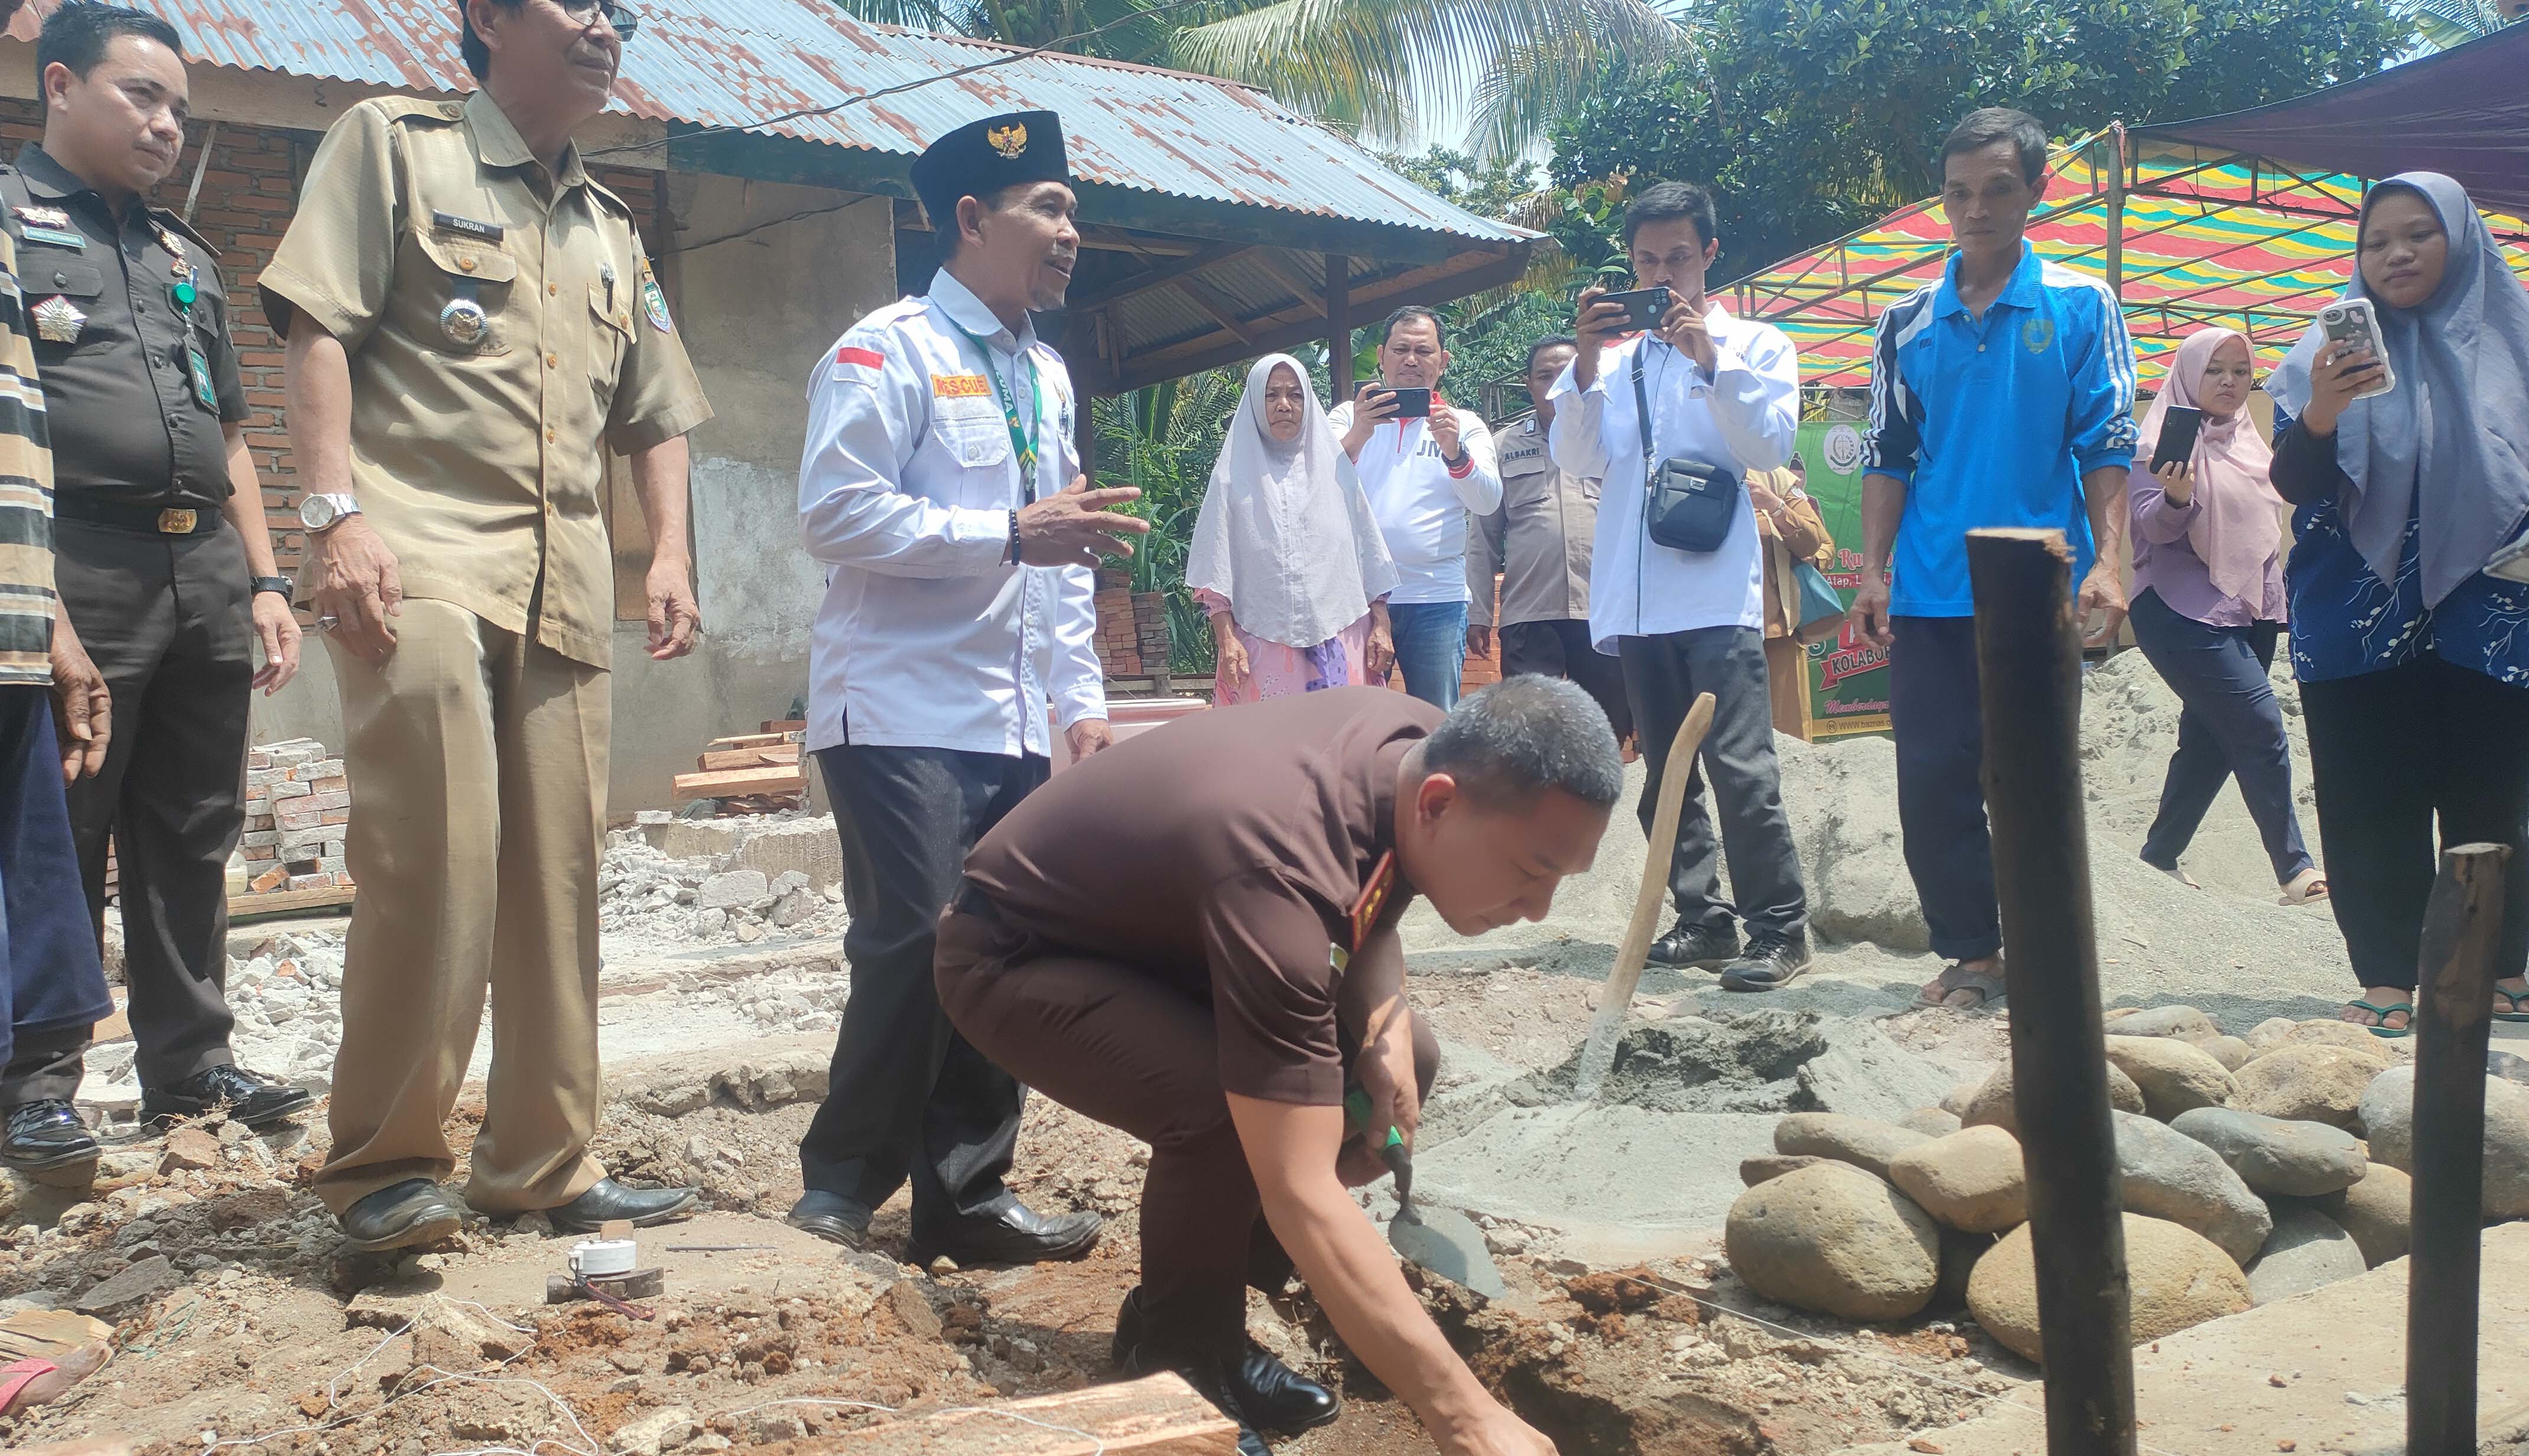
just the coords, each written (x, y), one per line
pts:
(289, 901)
(785, 726)
(749, 740)
(1214, 304)
(737, 782)
(771, 755)
(1160, 1416)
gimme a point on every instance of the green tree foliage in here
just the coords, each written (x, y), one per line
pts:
(1163, 440)
(1810, 119)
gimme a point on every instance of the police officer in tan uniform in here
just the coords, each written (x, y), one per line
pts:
(472, 325)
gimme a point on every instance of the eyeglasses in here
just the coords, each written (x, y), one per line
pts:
(617, 14)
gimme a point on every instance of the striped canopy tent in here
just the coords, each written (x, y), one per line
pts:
(2188, 235)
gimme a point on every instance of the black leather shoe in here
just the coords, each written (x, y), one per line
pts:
(607, 1201)
(400, 1215)
(833, 1217)
(1017, 1234)
(1269, 1394)
(46, 1134)
(1702, 948)
(1771, 961)
(250, 1098)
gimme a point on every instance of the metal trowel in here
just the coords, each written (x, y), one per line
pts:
(1442, 1241)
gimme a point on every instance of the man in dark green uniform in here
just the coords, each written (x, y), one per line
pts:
(163, 563)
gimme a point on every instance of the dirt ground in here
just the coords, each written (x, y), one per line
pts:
(240, 1327)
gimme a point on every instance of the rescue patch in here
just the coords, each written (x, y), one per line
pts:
(960, 387)
(654, 302)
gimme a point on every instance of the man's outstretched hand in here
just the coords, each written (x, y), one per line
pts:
(1078, 526)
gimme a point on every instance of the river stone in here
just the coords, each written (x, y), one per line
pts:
(1993, 1106)
(2307, 1083)
(2506, 1065)
(2174, 1076)
(2389, 1118)
(2185, 1023)
(2179, 1280)
(2270, 1033)
(2378, 1212)
(1834, 1240)
(1931, 1122)
(2294, 1159)
(1971, 1180)
(2231, 1052)
(2171, 1176)
(1756, 1170)
(2306, 1250)
(1961, 1096)
(1858, 1141)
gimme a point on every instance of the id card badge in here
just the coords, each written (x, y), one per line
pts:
(198, 364)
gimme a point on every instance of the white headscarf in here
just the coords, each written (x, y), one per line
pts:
(1285, 532)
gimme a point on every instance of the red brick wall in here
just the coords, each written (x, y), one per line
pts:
(248, 197)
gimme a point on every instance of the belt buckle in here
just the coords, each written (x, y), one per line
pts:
(177, 522)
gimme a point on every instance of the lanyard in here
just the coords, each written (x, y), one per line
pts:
(1022, 442)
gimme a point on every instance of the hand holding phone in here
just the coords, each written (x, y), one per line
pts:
(1410, 402)
(2179, 431)
(2354, 324)
(1645, 309)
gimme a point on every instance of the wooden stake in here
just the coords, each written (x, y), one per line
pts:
(2454, 1019)
(1616, 998)
(1160, 1416)
(2028, 665)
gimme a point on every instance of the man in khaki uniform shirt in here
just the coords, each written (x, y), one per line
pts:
(1539, 542)
(471, 324)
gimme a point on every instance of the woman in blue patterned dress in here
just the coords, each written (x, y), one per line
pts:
(2414, 662)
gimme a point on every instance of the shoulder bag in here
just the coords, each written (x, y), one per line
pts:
(1688, 504)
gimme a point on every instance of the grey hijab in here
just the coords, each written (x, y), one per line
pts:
(2449, 446)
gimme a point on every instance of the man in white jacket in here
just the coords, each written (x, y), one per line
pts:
(957, 608)
(1422, 475)
(1722, 392)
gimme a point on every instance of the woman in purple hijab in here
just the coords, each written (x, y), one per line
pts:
(2208, 609)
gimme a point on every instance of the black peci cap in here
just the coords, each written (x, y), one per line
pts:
(983, 157)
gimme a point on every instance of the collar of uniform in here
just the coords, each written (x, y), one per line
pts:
(499, 143)
(2020, 291)
(46, 177)
(975, 316)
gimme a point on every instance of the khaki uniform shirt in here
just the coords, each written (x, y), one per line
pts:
(25, 498)
(1543, 530)
(504, 328)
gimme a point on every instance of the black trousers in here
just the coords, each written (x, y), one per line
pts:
(1116, 1043)
(1561, 649)
(908, 1096)
(1663, 675)
(2231, 723)
(1937, 719)
(52, 987)
(169, 622)
(2391, 753)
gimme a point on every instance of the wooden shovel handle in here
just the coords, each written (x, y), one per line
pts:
(1598, 1052)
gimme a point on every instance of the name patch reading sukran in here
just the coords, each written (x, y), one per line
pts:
(487, 232)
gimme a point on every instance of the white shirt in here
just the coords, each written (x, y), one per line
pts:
(1421, 508)
(1745, 416)
(927, 637)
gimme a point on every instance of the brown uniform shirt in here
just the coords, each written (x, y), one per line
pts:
(1540, 539)
(1226, 855)
(503, 329)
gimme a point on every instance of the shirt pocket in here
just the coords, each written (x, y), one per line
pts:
(464, 295)
(609, 344)
(973, 430)
(44, 275)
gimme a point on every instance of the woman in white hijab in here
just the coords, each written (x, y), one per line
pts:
(1287, 558)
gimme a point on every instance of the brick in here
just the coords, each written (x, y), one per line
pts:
(255, 821)
(332, 864)
(307, 842)
(255, 854)
(288, 789)
(311, 882)
(316, 769)
(260, 839)
(271, 878)
(332, 783)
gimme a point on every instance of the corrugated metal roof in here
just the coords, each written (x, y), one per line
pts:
(729, 62)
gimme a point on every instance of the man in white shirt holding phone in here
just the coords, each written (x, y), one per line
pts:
(1724, 393)
(1423, 475)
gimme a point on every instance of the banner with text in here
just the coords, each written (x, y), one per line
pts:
(1848, 675)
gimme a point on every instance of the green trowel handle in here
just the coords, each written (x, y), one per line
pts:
(1357, 1108)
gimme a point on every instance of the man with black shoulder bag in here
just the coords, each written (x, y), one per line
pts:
(1672, 418)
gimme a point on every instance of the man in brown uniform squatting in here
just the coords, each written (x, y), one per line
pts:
(1227, 960)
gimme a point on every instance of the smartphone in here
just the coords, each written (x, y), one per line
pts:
(2177, 434)
(2353, 321)
(1411, 404)
(1644, 307)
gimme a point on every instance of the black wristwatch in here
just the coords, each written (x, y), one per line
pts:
(1014, 538)
(279, 585)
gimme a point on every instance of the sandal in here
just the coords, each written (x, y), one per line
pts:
(2517, 998)
(2381, 1028)
(1988, 984)
(2307, 887)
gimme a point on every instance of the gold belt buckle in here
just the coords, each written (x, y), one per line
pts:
(176, 523)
